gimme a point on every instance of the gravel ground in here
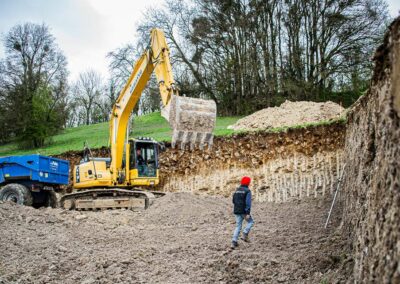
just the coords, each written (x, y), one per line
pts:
(182, 238)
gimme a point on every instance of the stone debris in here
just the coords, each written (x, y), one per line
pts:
(80, 217)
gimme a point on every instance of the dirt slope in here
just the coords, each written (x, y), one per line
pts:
(182, 238)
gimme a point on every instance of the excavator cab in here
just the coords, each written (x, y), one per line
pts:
(144, 157)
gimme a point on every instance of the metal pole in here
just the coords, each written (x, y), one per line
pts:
(334, 197)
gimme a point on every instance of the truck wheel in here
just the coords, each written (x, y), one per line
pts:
(51, 199)
(17, 193)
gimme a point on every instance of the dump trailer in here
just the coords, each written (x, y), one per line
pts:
(32, 180)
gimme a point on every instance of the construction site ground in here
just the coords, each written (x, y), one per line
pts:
(182, 238)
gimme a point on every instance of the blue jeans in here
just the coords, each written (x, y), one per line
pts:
(239, 221)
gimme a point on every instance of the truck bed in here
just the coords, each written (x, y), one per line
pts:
(34, 167)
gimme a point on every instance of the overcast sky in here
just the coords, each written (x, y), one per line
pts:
(86, 30)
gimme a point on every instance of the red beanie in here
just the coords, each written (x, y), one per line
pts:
(245, 181)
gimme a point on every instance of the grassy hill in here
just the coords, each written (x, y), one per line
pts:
(151, 125)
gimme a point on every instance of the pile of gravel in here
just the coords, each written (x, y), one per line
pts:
(289, 114)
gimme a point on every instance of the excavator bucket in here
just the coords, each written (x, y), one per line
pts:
(192, 121)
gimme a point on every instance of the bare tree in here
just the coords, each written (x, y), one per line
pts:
(250, 54)
(88, 91)
(121, 67)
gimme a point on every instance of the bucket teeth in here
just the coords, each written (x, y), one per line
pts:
(192, 139)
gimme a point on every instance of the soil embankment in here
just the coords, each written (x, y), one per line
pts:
(294, 163)
(372, 179)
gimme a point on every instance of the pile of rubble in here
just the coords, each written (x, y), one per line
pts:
(289, 114)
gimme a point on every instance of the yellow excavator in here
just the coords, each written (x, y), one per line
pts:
(125, 180)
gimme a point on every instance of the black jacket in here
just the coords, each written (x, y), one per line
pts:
(242, 200)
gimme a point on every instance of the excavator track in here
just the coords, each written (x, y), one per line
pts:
(102, 199)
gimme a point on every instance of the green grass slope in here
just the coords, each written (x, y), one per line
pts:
(151, 125)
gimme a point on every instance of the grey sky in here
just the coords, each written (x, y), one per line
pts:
(87, 29)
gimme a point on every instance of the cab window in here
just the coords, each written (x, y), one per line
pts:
(144, 158)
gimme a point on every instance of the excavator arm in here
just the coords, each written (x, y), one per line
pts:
(192, 120)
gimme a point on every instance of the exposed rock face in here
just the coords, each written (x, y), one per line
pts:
(372, 179)
(285, 165)
(252, 150)
(278, 180)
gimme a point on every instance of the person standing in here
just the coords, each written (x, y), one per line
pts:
(241, 208)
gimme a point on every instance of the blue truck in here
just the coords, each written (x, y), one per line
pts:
(32, 180)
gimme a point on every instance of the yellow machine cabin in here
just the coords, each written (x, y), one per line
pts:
(140, 165)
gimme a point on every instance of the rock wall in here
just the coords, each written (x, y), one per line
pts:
(371, 183)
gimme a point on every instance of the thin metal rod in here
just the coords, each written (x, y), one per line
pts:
(334, 197)
(94, 164)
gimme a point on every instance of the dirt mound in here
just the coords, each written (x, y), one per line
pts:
(289, 114)
(184, 207)
(182, 238)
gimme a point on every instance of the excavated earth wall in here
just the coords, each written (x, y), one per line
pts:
(371, 183)
(296, 163)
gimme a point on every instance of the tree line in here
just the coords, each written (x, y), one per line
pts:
(251, 54)
(36, 99)
(244, 54)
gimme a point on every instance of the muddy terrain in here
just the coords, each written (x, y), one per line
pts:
(182, 238)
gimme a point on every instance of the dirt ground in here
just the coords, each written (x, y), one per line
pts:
(181, 238)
